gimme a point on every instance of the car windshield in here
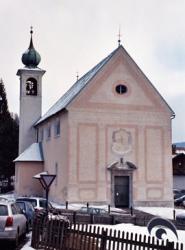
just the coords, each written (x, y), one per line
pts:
(32, 201)
(21, 205)
(42, 203)
(3, 210)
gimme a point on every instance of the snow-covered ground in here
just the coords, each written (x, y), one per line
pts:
(165, 212)
(158, 211)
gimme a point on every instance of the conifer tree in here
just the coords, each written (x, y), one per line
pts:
(8, 139)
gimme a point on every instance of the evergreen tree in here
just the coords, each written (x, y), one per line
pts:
(8, 138)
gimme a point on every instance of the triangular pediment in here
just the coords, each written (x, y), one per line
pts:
(103, 91)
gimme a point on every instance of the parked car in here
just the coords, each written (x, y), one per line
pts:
(179, 201)
(177, 193)
(3, 198)
(13, 223)
(37, 202)
(28, 210)
(180, 218)
(92, 210)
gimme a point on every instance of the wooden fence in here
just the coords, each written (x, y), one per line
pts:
(55, 233)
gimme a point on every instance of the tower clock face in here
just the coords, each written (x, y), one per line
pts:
(31, 86)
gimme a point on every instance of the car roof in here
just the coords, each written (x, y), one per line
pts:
(21, 201)
(6, 202)
(30, 197)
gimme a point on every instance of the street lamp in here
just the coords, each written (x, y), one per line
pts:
(45, 180)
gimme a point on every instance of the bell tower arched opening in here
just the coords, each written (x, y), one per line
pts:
(31, 86)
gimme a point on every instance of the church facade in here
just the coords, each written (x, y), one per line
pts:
(107, 139)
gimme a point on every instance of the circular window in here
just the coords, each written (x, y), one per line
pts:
(121, 89)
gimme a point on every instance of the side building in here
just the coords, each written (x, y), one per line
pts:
(108, 138)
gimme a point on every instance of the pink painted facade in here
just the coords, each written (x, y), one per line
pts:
(25, 184)
(82, 156)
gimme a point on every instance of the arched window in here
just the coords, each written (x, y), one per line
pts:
(31, 86)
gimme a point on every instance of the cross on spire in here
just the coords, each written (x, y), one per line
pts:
(31, 30)
(119, 37)
(77, 75)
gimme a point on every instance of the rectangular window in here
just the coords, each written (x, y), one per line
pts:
(57, 127)
(48, 132)
(3, 210)
(41, 134)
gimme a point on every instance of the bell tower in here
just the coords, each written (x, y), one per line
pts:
(30, 96)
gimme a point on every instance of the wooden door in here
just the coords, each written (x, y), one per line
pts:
(121, 191)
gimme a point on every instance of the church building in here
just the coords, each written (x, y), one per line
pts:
(107, 139)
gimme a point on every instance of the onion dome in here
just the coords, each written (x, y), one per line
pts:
(31, 57)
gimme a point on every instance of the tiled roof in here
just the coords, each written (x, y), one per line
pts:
(75, 89)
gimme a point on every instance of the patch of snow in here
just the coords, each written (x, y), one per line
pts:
(27, 246)
(77, 206)
(165, 212)
(158, 211)
(143, 231)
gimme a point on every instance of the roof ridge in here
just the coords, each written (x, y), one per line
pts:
(71, 93)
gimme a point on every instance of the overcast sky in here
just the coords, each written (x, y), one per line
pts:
(74, 35)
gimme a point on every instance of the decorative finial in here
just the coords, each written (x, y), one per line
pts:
(31, 57)
(77, 76)
(119, 37)
(31, 41)
(31, 30)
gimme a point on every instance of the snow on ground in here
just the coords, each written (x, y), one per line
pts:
(134, 229)
(158, 211)
(143, 231)
(77, 206)
(165, 212)
(27, 246)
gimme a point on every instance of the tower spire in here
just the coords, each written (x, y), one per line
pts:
(31, 57)
(31, 39)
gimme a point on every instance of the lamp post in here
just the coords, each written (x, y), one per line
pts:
(45, 180)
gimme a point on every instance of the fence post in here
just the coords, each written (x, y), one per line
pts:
(174, 214)
(109, 208)
(170, 245)
(74, 217)
(66, 204)
(92, 218)
(104, 240)
(112, 220)
(131, 211)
